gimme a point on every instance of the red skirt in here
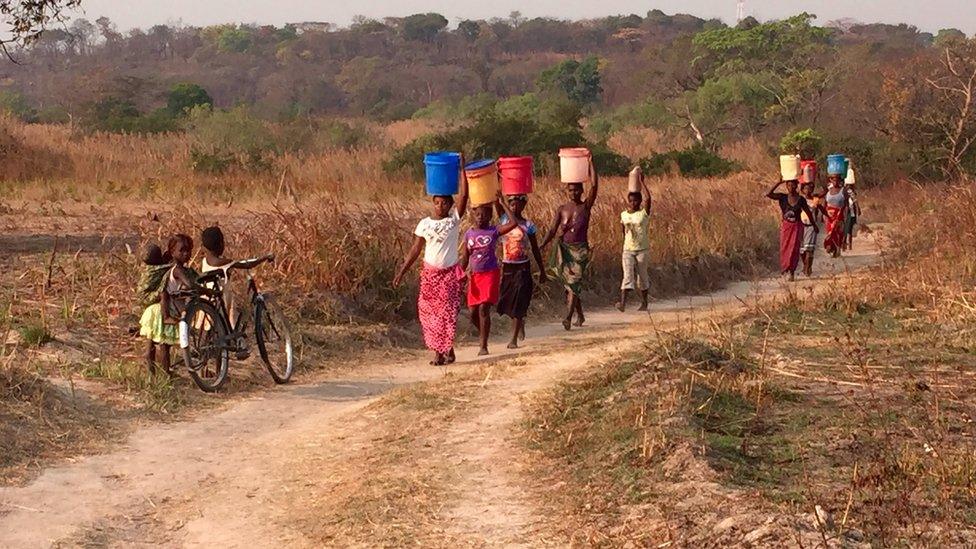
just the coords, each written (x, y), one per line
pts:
(790, 238)
(835, 229)
(438, 304)
(483, 288)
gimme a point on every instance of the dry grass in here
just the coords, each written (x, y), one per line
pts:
(338, 225)
(858, 400)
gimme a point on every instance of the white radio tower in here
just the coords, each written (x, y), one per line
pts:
(740, 11)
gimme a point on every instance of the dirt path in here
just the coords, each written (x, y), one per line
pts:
(221, 479)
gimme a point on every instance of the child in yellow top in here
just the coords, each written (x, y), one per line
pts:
(635, 222)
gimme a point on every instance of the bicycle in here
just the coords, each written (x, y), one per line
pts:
(207, 338)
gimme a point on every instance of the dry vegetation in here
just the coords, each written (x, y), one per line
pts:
(857, 400)
(78, 208)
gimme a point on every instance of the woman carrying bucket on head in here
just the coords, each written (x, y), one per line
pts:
(791, 205)
(853, 210)
(572, 222)
(437, 237)
(836, 203)
(517, 286)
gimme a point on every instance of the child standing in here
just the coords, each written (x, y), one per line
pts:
(517, 287)
(635, 222)
(479, 254)
(212, 240)
(436, 237)
(159, 321)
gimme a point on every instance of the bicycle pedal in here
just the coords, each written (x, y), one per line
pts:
(243, 354)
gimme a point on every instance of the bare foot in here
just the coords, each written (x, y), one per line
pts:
(620, 306)
(567, 323)
(513, 344)
(643, 307)
(580, 320)
(522, 334)
(450, 358)
(483, 351)
(438, 360)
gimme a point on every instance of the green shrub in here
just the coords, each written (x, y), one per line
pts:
(806, 143)
(233, 138)
(53, 115)
(696, 161)
(210, 162)
(16, 105)
(523, 125)
(34, 335)
(185, 96)
(116, 115)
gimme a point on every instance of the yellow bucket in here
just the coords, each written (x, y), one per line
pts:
(482, 182)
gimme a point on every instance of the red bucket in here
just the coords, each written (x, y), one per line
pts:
(808, 171)
(516, 172)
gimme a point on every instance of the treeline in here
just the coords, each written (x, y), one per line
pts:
(896, 98)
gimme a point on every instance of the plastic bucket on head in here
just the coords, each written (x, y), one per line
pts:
(443, 173)
(482, 181)
(808, 171)
(789, 167)
(836, 164)
(574, 165)
(634, 180)
(516, 174)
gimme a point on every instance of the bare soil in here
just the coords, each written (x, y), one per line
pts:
(314, 464)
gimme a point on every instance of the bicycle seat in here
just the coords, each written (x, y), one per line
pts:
(211, 277)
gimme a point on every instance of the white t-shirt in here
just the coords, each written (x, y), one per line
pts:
(442, 236)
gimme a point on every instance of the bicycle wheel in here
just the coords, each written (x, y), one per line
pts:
(204, 345)
(273, 335)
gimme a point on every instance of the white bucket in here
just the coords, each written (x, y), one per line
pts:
(789, 167)
(574, 165)
(634, 180)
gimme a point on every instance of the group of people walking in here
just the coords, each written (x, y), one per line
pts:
(804, 211)
(450, 259)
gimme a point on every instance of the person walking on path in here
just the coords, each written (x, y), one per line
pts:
(517, 286)
(635, 223)
(572, 255)
(791, 205)
(836, 203)
(811, 227)
(437, 237)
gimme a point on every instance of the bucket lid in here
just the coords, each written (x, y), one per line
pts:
(479, 164)
(442, 157)
(574, 152)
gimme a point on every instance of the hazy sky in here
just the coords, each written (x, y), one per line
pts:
(929, 15)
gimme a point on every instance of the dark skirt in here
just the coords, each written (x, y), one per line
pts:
(516, 291)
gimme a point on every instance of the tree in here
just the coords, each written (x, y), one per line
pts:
(184, 96)
(579, 81)
(469, 29)
(423, 27)
(946, 37)
(234, 39)
(27, 19)
(931, 104)
(791, 57)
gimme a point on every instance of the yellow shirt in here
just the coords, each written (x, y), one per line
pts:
(636, 226)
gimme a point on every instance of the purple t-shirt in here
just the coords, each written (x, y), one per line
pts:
(481, 249)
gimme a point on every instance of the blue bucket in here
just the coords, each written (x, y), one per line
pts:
(443, 173)
(836, 165)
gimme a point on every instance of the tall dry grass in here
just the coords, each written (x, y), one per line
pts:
(340, 225)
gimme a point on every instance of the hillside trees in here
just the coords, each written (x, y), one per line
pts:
(931, 104)
(26, 20)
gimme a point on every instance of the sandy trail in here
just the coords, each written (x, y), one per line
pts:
(217, 479)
